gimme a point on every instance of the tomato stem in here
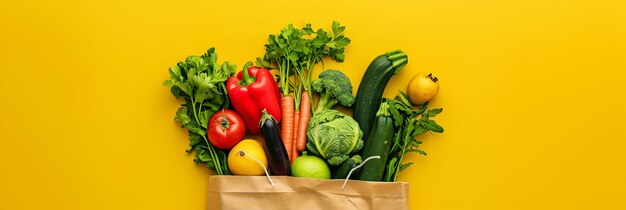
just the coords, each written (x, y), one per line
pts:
(224, 122)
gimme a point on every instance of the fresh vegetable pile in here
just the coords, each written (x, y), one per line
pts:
(301, 137)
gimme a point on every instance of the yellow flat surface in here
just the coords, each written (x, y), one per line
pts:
(534, 96)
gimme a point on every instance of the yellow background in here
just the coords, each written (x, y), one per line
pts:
(533, 94)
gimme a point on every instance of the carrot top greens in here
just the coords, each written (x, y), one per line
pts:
(295, 51)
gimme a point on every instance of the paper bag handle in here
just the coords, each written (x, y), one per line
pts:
(355, 168)
(243, 153)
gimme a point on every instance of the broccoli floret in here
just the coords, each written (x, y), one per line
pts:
(334, 87)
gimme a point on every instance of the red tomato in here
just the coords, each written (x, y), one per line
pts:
(226, 129)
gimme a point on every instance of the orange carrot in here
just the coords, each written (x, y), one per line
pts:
(295, 153)
(287, 108)
(305, 115)
(296, 119)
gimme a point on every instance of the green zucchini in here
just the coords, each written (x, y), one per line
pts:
(378, 144)
(347, 166)
(372, 86)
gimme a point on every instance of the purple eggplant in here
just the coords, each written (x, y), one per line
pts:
(274, 147)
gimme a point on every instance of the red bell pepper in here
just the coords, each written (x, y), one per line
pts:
(252, 91)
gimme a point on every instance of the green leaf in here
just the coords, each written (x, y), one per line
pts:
(293, 57)
(185, 87)
(195, 139)
(211, 106)
(337, 55)
(408, 130)
(398, 119)
(397, 144)
(405, 165)
(175, 90)
(318, 42)
(193, 127)
(210, 56)
(205, 87)
(338, 29)
(224, 161)
(331, 44)
(433, 126)
(228, 69)
(413, 149)
(202, 156)
(195, 64)
(391, 169)
(204, 117)
(168, 83)
(419, 129)
(286, 32)
(406, 110)
(404, 98)
(393, 162)
(421, 152)
(181, 115)
(322, 34)
(210, 164)
(415, 143)
(341, 41)
(263, 63)
(307, 30)
(191, 74)
(422, 108)
(175, 74)
(434, 112)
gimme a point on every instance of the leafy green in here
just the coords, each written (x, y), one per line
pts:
(409, 123)
(390, 169)
(333, 135)
(405, 165)
(434, 112)
(181, 115)
(432, 126)
(199, 80)
(295, 51)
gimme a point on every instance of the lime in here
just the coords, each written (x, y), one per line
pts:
(310, 166)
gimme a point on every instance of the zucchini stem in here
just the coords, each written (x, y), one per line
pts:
(383, 110)
(398, 58)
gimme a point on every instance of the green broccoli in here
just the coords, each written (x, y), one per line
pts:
(332, 134)
(334, 87)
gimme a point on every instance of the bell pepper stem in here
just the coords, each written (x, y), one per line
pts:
(246, 79)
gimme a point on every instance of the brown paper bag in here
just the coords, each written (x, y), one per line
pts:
(256, 192)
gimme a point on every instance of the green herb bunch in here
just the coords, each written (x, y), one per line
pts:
(199, 80)
(409, 123)
(295, 51)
